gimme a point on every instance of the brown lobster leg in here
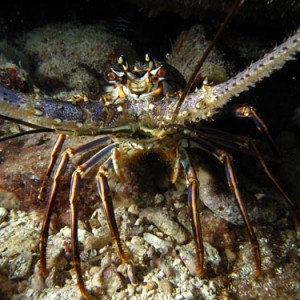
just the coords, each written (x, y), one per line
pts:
(53, 158)
(249, 112)
(57, 178)
(291, 203)
(216, 136)
(193, 199)
(226, 160)
(74, 190)
(104, 192)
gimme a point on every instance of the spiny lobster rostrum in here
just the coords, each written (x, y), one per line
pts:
(143, 115)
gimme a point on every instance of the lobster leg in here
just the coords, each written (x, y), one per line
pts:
(74, 191)
(54, 155)
(104, 192)
(57, 178)
(193, 199)
(216, 136)
(295, 209)
(249, 112)
(226, 160)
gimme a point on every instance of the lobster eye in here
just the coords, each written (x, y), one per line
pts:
(162, 72)
(110, 76)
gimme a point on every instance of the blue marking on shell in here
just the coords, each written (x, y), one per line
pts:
(12, 97)
(55, 109)
(95, 110)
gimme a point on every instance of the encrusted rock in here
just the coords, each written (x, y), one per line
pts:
(20, 266)
(165, 223)
(67, 56)
(166, 287)
(3, 214)
(187, 51)
(157, 243)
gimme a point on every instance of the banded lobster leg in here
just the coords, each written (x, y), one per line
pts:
(295, 209)
(249, 112)
(104, 192)
(193, 200)
(226, 160)
(57, 178)
(224, 138)
(53, 158)
(77, 176)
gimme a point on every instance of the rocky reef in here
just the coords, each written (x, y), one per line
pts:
(64, 56)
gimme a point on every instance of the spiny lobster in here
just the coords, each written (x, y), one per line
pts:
(143, 115)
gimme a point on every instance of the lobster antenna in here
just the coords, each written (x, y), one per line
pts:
(21, 122)
(233, 10)
(10, 137)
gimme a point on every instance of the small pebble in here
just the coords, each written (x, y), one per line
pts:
(20, 266)
(133, 209)
(151, 285)
(164, 221)
(156, 242)
(130, 289)
(166, 287)
(3, 214)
